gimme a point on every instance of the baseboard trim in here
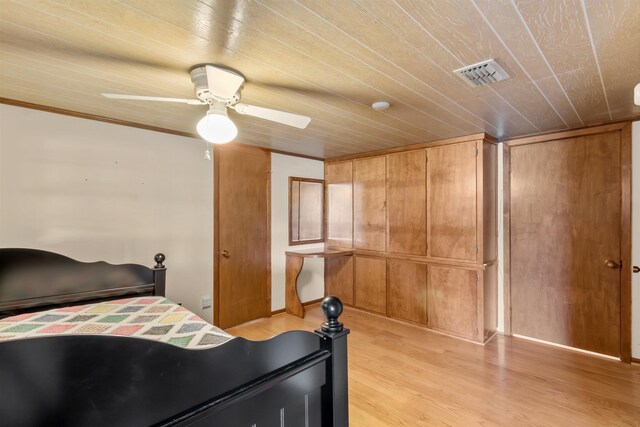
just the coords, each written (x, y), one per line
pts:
(304, 304)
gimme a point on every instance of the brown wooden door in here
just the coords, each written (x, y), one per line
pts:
(242, 234)
(452, 201)
(565, 222)
(406, 202)
(339, 204)
(369, 203)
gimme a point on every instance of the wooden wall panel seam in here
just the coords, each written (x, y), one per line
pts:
(506, 237)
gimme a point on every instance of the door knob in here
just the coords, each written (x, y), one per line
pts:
(225, 253)
(636, 269)
(611, 263)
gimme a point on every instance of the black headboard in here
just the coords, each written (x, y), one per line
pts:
(32, 278)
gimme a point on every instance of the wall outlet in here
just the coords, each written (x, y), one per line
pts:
(206, 301)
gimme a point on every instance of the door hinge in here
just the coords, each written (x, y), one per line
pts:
(477, 277)
(477, 151)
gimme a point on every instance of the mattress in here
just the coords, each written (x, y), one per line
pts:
(153, 318)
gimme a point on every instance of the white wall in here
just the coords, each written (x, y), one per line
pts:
(500, 239)
(635, 240)
(311, 279)
(98, 191)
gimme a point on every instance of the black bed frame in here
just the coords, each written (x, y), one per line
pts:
(295, 379)
(33, 280)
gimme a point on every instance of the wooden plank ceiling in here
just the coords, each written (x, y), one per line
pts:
(572, 63)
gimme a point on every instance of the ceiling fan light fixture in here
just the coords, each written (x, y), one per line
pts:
(216, 126)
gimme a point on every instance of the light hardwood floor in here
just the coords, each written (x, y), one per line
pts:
(403, 375)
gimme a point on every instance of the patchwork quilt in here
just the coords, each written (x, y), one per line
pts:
(154, 318)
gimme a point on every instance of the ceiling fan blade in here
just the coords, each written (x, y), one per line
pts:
(153, 98)
(223, 83)
(295, 120)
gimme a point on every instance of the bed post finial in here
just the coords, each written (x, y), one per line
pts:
(159, 275)
(159, 258)
(332, 308)
(335, 391)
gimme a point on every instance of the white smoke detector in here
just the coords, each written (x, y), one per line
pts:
(380, 105)
(482, 73)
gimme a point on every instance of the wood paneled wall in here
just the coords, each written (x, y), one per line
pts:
(424, 233)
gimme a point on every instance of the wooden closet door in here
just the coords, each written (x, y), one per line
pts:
(369, 203)
(565, 223)
(339, 207)
(406, 201)
(242, 233)
(452, 201)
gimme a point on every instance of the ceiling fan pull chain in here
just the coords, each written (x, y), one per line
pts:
(207, 152)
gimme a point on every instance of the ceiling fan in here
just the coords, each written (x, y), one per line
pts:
(219, 88)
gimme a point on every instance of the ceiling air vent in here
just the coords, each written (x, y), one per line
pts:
(482, 73)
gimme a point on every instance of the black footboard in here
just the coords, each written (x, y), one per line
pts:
(294, 379)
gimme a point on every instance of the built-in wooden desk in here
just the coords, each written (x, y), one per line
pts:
(295, 261)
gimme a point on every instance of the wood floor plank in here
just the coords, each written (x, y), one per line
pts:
(404, 375)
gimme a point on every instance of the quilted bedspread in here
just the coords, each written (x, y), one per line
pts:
(154, 318)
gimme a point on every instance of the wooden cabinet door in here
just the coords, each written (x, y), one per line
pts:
(408, 291)
(452, 301)
(371, 284)
(339, 208)
(451, 201)
(338, 278)
(406, 202)
(369, 203)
